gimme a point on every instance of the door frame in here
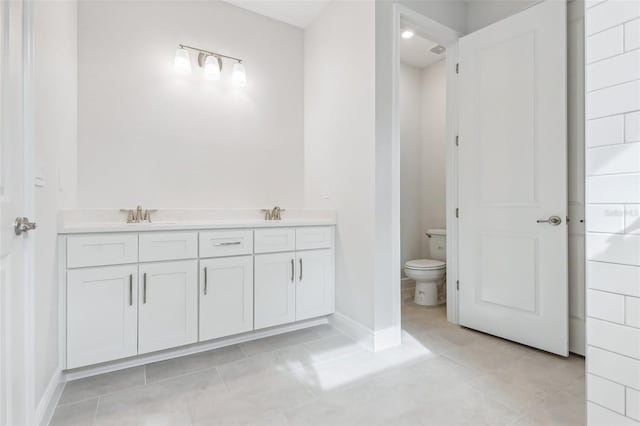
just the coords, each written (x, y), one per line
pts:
(447, 37)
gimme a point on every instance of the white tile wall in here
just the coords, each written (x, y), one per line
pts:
(622, 158)
(605, 131)
(633, 403)
(613, 100)
(614, 337)
(632, 35)
(613, 188)
(606, 306)
(618, 69)
(613, 212)
(632, 311)
(606, 393)
(621, 279)
(608, 218)
(605, 44)
(632, 127)
(600, 416)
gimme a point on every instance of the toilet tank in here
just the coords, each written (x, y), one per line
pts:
(437, 244)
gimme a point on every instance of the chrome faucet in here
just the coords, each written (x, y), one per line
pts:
(138, 215)
(273, 214)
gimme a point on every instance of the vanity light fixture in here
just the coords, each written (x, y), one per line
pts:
(407, 34)
(211, 62)
(182, 63)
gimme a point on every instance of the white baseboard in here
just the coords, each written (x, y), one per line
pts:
(369, 339)
(94, 370)
(49, 401)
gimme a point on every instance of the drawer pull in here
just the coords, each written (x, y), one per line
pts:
(230, 243)
(130, 289)
(205, 280)
(144, 289)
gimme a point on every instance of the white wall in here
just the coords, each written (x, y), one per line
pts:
(613, 212)
(147, 135)
(434, 149)
(339, 144)
(54, 90)
(411, 187)
(422, 156)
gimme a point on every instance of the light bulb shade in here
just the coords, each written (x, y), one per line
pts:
(239, 75)
(182, 63)
(212, 67)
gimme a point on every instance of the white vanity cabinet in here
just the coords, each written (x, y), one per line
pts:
(226, 296)
(102, 314)
(138, 292)
(314, 284)
(294, 285)
(275, 289)
(168, 305)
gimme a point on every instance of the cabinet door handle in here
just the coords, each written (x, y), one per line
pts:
(130, 289)
(230, 243)
(300, 269)
(144, 288)
(293, 273)
(205, 280)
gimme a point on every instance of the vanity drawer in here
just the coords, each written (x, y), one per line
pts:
(155, 246)
(101, 249)
(314, 237)
(275, 240)
(226, 243)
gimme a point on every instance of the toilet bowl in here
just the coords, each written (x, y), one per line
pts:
(429, 276)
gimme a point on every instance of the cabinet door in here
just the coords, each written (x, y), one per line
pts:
(274, 289)
(102, 314)
(168, 295)
(226, 296)
(314, 284)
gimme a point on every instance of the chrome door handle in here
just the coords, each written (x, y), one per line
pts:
(23, 225)
(301, 269)
(293, 274)
(130, 289)
(553, 220)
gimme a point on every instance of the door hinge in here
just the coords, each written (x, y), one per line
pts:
(458, 68)
(457, 140)
(457, 212)
(457, 285)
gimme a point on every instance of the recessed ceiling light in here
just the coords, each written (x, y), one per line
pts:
(407, 34)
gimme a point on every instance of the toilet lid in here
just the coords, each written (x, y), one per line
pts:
(424, 264)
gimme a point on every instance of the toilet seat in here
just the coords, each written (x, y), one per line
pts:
(425, 264)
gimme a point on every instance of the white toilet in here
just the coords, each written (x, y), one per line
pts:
(429, 274)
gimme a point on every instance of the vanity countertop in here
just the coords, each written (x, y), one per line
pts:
(83, 228)
(95, 221)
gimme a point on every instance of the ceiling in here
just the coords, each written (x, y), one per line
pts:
(415, 52)
(299, 13)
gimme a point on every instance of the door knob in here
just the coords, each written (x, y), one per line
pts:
(23, 225)
(553, 220)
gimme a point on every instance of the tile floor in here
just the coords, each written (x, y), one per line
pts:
(441, 375)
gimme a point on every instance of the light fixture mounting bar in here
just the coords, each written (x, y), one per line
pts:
(208, 52)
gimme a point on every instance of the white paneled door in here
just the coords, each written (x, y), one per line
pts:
(16, 195)
(513, 179)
